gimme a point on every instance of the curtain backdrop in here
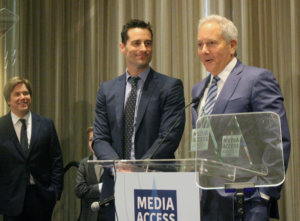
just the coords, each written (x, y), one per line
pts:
(67, 47)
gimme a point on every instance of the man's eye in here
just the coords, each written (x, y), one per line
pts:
(136, 43)
(148, 43)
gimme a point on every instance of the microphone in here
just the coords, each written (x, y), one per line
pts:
(194, 101)
(95, 206)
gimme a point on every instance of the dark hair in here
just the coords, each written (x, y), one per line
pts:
(134, 23)
(10, 85)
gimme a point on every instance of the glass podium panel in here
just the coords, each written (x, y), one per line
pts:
(149, 165)
(239, 148)
(234, 153)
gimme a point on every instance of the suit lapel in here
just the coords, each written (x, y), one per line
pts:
(120, 97)
(149, 87)
(200, 92)
(34, 131)
(11, 134)
(228, 89)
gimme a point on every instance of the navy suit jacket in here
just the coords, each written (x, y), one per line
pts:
(162, 101)
(43, 162)
(250, 89)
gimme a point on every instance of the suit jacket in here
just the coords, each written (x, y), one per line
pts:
(43, 162)
(250, 89)
(161, 102)
(87, 189)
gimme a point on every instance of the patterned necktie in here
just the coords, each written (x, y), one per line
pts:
(24, 139)
(129, 117)
(211, 96)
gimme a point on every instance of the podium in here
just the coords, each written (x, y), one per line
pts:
(237, 152)
(234, 152)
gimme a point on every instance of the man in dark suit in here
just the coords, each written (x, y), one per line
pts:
(240, 89)
(31, 166)
(159, 101)
(89, 185)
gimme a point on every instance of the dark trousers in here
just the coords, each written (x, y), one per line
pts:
(257, 209)
(36, 208)
(107, 213)
(217, 208)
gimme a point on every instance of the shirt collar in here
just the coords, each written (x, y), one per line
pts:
(223, 75)
(15, 118)
(143, 76)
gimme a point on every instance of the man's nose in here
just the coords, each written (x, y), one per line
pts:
(205, 49)
(143, 46)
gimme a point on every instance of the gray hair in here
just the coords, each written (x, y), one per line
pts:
(229, 30)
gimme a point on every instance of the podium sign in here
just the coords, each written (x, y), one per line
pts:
(143, 196)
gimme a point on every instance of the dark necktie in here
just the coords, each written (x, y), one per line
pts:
(129, 117)
(211, 96)
(24, 140)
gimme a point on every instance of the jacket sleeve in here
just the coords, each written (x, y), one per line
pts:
(84, 190)
(57, 171)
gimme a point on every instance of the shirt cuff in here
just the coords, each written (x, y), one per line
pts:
(100, 187)
(264, 196)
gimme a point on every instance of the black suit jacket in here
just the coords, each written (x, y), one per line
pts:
(43, 162)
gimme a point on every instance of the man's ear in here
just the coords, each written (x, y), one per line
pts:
(233, 44)
(122, 47)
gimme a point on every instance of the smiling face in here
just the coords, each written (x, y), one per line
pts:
(214, 52)
(20, 100)
(137, 50)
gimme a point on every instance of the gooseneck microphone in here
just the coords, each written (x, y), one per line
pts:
(179, 116)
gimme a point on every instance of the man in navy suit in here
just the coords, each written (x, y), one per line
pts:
(31, 172)
(159, 102)
(240, 88)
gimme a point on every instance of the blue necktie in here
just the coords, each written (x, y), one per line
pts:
(129, 117)
(211, 96)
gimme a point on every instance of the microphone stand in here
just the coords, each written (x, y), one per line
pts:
(194, 100)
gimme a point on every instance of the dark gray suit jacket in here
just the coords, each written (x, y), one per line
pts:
(43, 162)
(250, 89)
(161, 102)
(87, 189)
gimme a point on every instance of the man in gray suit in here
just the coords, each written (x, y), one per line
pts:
(239, 89)
(89, 184)
(159, 102)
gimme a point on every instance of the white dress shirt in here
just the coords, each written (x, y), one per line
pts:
(18, 125)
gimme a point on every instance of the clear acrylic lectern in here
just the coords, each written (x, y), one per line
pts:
(239, 151)
(233, 151)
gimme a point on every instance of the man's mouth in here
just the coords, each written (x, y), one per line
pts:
(208, 60)
(23, 104)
